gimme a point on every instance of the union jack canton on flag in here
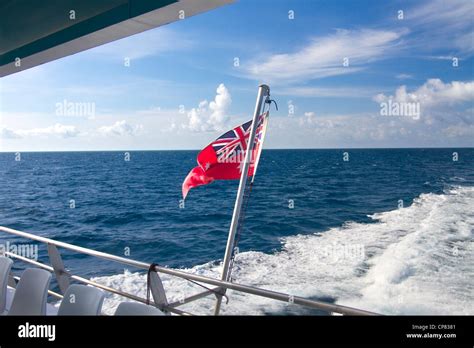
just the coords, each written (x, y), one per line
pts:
(223, 159)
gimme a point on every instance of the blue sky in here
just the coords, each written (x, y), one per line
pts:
(182, 88)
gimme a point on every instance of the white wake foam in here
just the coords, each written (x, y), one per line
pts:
(414, 260)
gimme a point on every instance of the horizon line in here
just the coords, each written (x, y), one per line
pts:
(296, 148)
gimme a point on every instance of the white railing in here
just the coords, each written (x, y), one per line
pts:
(63, 278)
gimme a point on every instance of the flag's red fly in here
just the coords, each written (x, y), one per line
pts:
(223, 159)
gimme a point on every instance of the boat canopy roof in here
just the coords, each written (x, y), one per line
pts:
(36, 32)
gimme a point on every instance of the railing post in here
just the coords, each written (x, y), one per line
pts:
(57, 263)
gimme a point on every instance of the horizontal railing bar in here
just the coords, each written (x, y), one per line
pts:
(27, 260)
(83, 250)
(55, 294)
(97, 285)
(50, 292)
(181, 274)
(268, 293)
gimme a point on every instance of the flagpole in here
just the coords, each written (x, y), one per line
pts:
(262, 141)
(263, 92)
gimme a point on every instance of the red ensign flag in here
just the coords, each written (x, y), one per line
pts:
(223, 159)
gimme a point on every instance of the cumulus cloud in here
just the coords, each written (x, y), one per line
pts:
(365, 130)
(308, 118)
(324, 56)
(433, 92)
(213, 116)
(334, 131)
(58, 130)
(121, 128)
(438, 103)
(444, 121)
(459, 130)
(7, 133)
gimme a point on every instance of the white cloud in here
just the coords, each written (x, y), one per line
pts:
(59, 130)
(443, 122)
(452, 15)
(459, 130)
(443, 24)
(336, 131)
(309, 118)
(324, 56)
(7, 133)
(433, 92)
(367, 130)
(328, 92)
(121, 128)
(149, 43)
(404, 76)
(437, 102)
(213, 116)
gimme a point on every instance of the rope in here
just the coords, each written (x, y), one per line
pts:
(270, 101)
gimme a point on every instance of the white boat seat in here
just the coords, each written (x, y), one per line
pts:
(136, 308)
(31, 293)
(5, 268)
(81, 300)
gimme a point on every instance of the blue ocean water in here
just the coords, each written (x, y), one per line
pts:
(135, 204)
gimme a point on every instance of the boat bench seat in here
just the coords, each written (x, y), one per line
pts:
(31, 293)
(5, 268)
(81, 300)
